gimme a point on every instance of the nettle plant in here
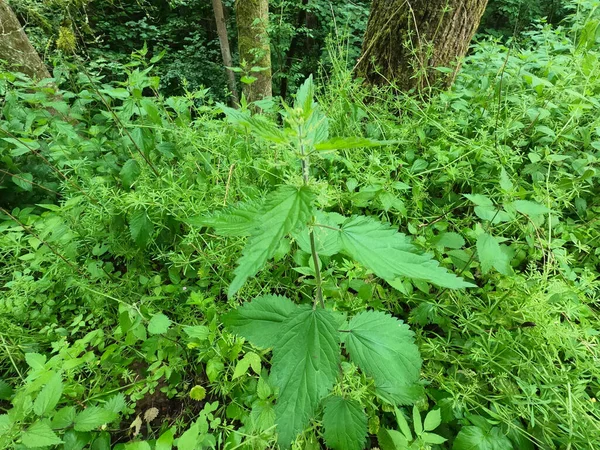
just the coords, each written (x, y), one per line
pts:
(306, 339)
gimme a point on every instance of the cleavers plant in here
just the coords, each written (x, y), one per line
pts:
(305, 339)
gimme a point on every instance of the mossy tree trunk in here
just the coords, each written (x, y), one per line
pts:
(252, 17)
(15, 47)
(225, 49)
(406, 41)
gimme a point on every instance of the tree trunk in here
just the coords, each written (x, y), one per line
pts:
(15, 47)
(252, 18)
(225, 50)
(406, 41)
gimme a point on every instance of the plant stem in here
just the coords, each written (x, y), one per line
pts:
(311, 235)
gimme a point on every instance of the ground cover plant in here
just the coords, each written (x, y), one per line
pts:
(355, 268)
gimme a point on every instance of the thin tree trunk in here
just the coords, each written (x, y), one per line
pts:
(252, 18)
(225, 50)
(406, 41)
(15, 47)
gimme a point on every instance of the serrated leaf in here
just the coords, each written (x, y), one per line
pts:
(383, 347)
(236, 221)
(530, 208)
(432, 420)
(250, 359)
(39, 435)
(130, 172)
(390, 255)
(141, 228)
(49, 396)
(6, 390)
(259, 125)
(261, 320)
(479, 199)
(345, 424)
(92, 417)
(490, 255)
(304, 368)
(505, 182)
(159, 324)
(338, 143)
(63, 418)
(35, 360)
(327, 240)
(198, 393)
(116, 403)
(304, 97)
(475, 438)
(449, 240)
(284, 210)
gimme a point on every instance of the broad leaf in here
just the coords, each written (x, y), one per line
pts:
(383, 347)
(130, 173)
(141, 228)
(390, 255)
(432, 420)
(261, 320)
(259, 125)
(165, 441)
(39, 435)
(159, 324)
(304, 368)
(475, 438)
(237, 221)
(391, 440)
(189, 439)
(327, 240)
(530, 208)
(92, 417)
(49, 396)
(284, 210)
(345, 424)
(491, 255)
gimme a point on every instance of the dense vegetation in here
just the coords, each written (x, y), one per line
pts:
(164, 257)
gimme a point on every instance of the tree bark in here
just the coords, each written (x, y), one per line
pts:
(225, 50)
(406, 40)
(15, 47)
(252, 18)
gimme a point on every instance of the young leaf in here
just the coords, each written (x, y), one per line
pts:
(304, 368)
(159, 324)
(345, 424)
(92, 417)
(49, 396)
(475, 438)
(39, 435)
(284, 210)
(305, 97)
(490, 255)
(327, 240)
(383, 347)
(261, 320)
(418, 426)
(141, 228)
(390, 255)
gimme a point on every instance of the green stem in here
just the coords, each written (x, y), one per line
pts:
(311, 235)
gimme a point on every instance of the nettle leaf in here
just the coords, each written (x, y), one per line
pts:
(141, 228)
(491, 255)
(475, 438)
(304, 368)
(345, 424)
(390, 255)
(530, 208)
(93, 417)
(261, 320)
(327, 240)
(49, 396)
(39, 435)
(130, 172)
(384, 348)
(259, 125)
(237, 221)
(159, 324)
(284, 210)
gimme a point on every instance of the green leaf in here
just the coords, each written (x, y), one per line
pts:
(479, 200)
(449, 240)
(6, 390)
(474, 438)
(304, 368)
(338, 143)
(261, 320)
(491, 255)
(530, 208)
(432, 438)
(165, 441)
(159, 324)
(49, 396)
(418, 426)
(345, 424)
(35, 360)
(259, 125)
(383, 347)
(101, 442)
(39, 435)
(130, 173)
(198, 393)
(391, 440)
(64, 417)
(116, 403)
(432, 420)
(141, 228)
(284, 210)
(250, 359)
(305, 97)
(92, 417)
(138, 445)
(327, 241)
(22, 179)
(237, 221)
(5, 424)
(189, 439)
(390, 255)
